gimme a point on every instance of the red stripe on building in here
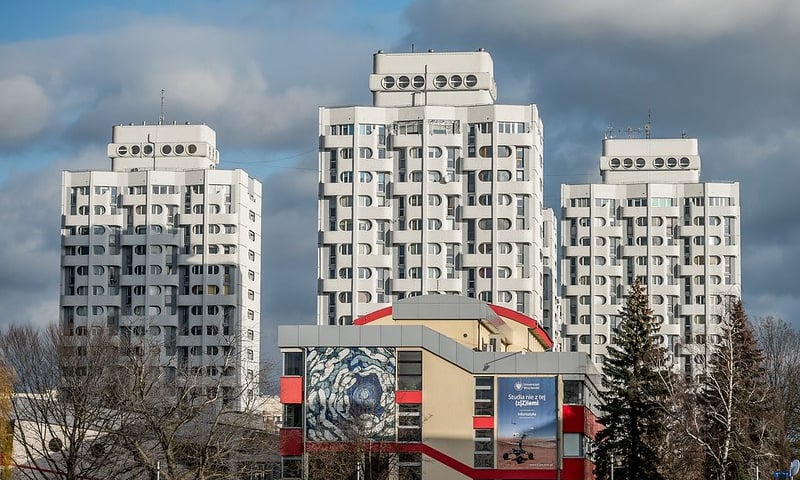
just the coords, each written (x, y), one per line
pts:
(291, 442)
(371, 317)
(408, 396)
(482, 422)
(525, 320)
(291, 390)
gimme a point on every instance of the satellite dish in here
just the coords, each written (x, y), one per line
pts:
(794, 468)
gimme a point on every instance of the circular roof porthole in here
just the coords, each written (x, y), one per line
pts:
(684, 162)
(166, 150)
(419, 81)
(135, 149)
(178, 149)
(388, 82)
(614, 163)
(627, 163)
(658, 162)
(671, 162)
(471, 81)
(640, 163)
(147, 149)
(440, 81)
(192, 149)
(122, 150)
(455, 81)
(403, 82)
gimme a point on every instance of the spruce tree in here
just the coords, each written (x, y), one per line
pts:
(740, 425)
(634, 376)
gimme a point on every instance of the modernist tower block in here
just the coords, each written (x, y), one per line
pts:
(167, 248)
(653, 220)
(433, 189)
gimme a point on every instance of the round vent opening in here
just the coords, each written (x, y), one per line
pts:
(192, 149)
(440, 81)
(136, 149)
(178, 149)
(419, 81)
(671, 162)
(658, 162)
(627, 163)
(640, 163)
(166, 149)
(455, 81)
(614, 163)
(684, 162)
(147, 149)
(388, 82)
(471, 81)
(122, 150)
(403, 82)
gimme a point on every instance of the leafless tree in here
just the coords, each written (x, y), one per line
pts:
(780, 344)
(359, 455)
(58, 408)
(727, 415)
(98, 406)
(188, 421)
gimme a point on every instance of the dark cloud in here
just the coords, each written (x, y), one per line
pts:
(718, 71)
(721, 71)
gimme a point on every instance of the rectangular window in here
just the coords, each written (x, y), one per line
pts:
(484, 396)
(293, 415)
(409, 370)
(662, 202)
(409, 466)
(291, 468)
(413, 127)
(293, 363)
(342, 129)
(409, 419)
(573, 445)
(579, 202)
(484, 448)
(573, 392)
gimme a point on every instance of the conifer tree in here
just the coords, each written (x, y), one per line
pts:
(633, 394)
(739, 424)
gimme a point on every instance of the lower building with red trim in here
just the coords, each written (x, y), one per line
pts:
(436, 387)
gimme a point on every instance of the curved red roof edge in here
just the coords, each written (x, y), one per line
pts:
(529, 322)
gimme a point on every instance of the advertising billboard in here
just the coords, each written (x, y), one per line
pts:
(527, 423)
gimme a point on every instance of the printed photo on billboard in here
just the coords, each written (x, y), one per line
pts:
(526, 423)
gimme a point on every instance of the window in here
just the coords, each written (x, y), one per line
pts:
(409, 428)
(484, 448)
(343, 129)
(364, 272)
(409, 370)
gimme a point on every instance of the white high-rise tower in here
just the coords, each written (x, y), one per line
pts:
(433, 189)
(167, 248)
(651, 219)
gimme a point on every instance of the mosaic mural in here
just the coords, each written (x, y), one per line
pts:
(350, 392)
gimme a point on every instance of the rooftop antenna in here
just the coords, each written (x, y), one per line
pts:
(648, 127)
(161, 116)
(412, 48)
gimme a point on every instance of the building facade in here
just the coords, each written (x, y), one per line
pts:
(650, 219)
(551, 313)
(418, 382)
(432, 189)
(165, 249)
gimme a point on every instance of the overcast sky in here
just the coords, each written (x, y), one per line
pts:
(726, 72)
